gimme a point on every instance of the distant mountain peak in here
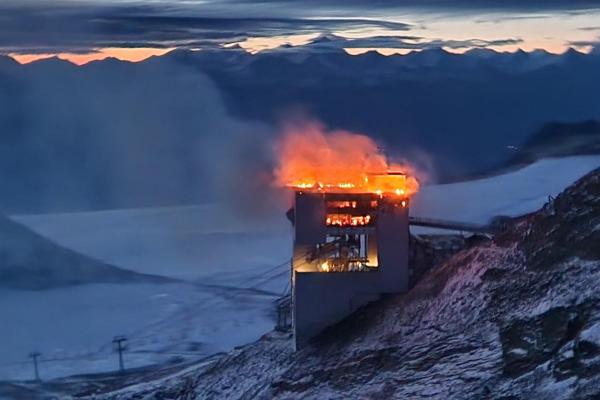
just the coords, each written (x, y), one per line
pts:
(482, 51)
(573, 53)
(436, 50)
(560, 139)
(8, 60)
(327, 38)
(54, 60)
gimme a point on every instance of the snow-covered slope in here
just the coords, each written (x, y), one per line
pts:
(235, 273)
(227, 259)
(73, 327)
(31, 261)
(518, 192)
(517, 318)
(194, 243)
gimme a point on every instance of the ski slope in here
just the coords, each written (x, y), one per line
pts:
(511, 194)
(192, 242)
(73, 326)
(234, 269)
(231, 272)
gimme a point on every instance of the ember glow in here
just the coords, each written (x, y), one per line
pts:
(347, 220)
(339, 161)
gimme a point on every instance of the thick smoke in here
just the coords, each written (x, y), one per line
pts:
(120, 135)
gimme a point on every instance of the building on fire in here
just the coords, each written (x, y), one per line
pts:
(350, 247)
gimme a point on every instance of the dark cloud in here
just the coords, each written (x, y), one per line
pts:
(334, 42)
(30, 28)
(448, 5)
(585, 43)
(58, 25)
(504, 18)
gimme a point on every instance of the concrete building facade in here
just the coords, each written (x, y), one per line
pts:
(349, 249)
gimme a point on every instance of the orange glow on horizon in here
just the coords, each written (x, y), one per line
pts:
(120, 53)
(554, 32)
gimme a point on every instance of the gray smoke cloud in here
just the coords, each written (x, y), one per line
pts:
(117, 135)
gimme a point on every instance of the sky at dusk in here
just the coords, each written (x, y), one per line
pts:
(82, 31)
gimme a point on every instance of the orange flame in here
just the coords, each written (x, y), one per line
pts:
(313, 160)
(347, 220)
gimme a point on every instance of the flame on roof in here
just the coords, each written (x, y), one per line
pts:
(310, 159)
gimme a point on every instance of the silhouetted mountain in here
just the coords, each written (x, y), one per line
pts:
(30, 261)
(558, 140)
(552, 140)
(7, 62)
(570, 138)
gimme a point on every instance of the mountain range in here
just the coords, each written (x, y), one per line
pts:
(173, 129)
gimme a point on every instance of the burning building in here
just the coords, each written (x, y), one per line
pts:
(351, 229)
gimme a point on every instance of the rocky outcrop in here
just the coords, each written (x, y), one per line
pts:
(429, 251)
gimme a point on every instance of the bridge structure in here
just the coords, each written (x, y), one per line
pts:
(451, 225)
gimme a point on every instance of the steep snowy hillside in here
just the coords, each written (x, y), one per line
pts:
(514, 193)
(517, 318)
(165, 324)
(203, 242)
(236, 274)
(30, 261)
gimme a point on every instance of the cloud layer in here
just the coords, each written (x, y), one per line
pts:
(335, 42)
(79, 29)
(28, 26)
